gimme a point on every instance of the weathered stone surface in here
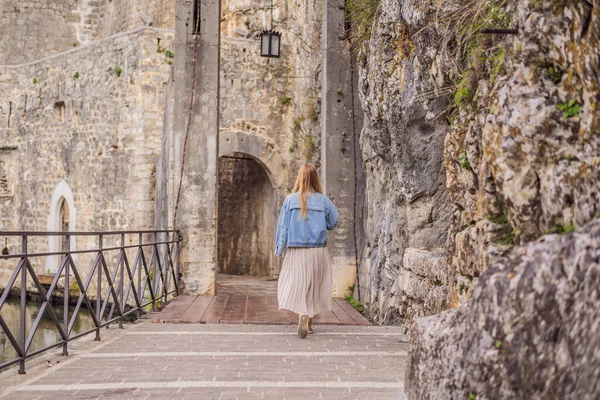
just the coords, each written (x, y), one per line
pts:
(72, 118)
(529, 332)
(402, 145)
(517, 165)
(33, 29)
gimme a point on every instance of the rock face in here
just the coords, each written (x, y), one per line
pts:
(522, 156)
(529, 332)
(518, 113)
(402, 143)
(492, 140)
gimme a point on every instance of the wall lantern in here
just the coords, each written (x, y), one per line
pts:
(270, 41)
(270, 44)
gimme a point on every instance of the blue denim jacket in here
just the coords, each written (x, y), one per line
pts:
(293, 230)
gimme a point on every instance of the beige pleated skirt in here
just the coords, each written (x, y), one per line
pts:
(304, 285)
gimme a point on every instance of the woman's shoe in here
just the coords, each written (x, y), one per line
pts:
(310, 326)
(303, 326)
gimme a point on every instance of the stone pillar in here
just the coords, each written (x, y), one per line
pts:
(196, 212)
(339, 130)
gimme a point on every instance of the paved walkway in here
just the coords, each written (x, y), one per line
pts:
(176, 361)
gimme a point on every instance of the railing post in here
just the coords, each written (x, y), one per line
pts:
(99, 289)
(139, 271)
(153, 280)
(23, 304)
(121, 284)
(177, 259)
(66, 297)
(166, 265)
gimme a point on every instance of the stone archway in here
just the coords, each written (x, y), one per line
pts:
(245, 223)
(252, 178)
(262, 150)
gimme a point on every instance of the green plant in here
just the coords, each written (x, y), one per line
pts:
(361, 14)
(285, 100)
(74, 287)
(560, 5)
(464, 161)
(159, 48)
(118, 71)
(439, 283)
(498, 344)
(570, 157)
(569, 109)
(298, 121)
(291, 149)
(463, 97)
(497, 63)
(462, 288)
(307, 145)
(169, 54)
(554, 74)
(339, 92)
(75, 44)
(354, 303)
(76, 76)
(472, 396)
(562, 229)
(536, 4)
(506, 234)
(35, 81)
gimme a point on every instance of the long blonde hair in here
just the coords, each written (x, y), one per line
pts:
(307, 182)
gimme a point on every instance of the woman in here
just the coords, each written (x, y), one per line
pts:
(305, 280)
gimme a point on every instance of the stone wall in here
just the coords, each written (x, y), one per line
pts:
(93, 118)
(33, 29)
(24, 22)
(275, 98)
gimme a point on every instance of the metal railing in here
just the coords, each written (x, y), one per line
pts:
(149, 282)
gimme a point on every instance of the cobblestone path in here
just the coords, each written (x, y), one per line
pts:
(178, 361)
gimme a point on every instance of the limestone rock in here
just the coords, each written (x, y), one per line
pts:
(517, 164)
(529, 332)
(402, 145)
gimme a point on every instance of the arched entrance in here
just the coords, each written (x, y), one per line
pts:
(246, 219)
(252, 180)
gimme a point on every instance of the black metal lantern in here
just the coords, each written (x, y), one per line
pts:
(270, 41)
(270, 44)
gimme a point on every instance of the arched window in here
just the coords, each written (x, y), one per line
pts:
(62, 218)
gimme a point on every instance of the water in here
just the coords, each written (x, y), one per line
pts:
(46, 334)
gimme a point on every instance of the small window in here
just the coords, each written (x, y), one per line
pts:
(4, 185)
(60, 111)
